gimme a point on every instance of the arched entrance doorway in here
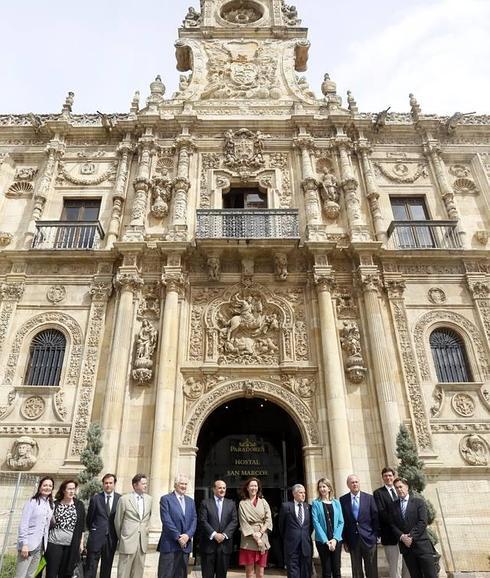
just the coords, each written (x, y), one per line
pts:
(249, 437)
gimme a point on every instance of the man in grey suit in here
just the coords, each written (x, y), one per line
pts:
(132, 524)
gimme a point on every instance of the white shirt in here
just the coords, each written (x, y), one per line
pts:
(390, 490)
(111, 498)
(140, 503)
(181, 499)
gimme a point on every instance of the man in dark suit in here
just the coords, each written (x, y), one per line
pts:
(384, 497)
(218, 521)
(409, 524)
(295, 527)
(102, 538)
(361, 529)
(179, 521)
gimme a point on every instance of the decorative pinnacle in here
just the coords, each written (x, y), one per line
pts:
(415, 109)
(352, 104)
(68, 104)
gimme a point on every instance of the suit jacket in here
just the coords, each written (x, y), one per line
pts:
(130, 528)
(366, 527)
(320, 522)
(175, 523)
(209, 523)
(293, 533)
(414, 524)
(99, 524)
(384, 502)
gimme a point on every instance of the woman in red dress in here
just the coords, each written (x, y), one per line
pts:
(254, 515)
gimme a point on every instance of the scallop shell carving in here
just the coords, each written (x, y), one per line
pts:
(463, 186)
(20, 189)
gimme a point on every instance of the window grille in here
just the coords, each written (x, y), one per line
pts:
(449, 355)
(46, 358)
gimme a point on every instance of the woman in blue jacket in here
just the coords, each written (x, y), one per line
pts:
(328, 522)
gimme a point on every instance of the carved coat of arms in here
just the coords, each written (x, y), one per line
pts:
(244, 149)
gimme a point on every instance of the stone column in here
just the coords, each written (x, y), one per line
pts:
(55, 150)
(384, 376)
(350, 187)
(135, 229)
(305, 143)
(125, 150)
(335, 393)
(128, 282)
(181, 185)
(363, 151)
(433, 151)
(161, 472)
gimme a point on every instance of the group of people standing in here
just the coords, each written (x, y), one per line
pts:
(357, 522)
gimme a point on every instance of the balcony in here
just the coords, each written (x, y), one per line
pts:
(415, 235)
(81, 235)
(247, 224)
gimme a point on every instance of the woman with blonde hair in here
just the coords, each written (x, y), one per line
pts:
(255, 517)
(328, 522)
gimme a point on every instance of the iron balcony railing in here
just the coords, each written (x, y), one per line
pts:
(247, 224)
(68, 235)
(423, 235)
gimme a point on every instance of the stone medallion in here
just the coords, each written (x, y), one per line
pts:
(463, 404)
(56, 294)
(33, 407)
(242, 12)
(436, 296)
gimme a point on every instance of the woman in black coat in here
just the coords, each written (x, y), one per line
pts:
(65, 542)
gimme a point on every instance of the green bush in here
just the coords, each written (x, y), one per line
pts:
(8, 568)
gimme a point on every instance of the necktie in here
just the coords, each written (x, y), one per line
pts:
(393, 494)
(141, 506)
(403, 507)
(355, 507)
(182, 504)
(220, 508)
(108, 504)
(300, 513)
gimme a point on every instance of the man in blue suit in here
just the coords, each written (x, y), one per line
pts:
(295, 527)
(102, 537)
(361, 529)
(179, 521)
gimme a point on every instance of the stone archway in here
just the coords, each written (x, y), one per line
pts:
(285, 399)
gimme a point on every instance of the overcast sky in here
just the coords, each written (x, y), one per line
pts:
(381, 50)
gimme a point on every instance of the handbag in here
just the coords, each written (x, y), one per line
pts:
(40, 566)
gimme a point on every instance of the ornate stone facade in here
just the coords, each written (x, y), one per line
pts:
(247, 249)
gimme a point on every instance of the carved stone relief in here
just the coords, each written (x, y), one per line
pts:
(401, 172)
(23, 454)
(5, 410)
(208, 161)
(161, 194)
(241, 69)
(56, 294)
(328, 188)
(350, 340)
(20, 190)
(241, 12)
(463, 404)
(474, 450)
(66, 173)
(146, 342)
(438, 398)
(243, 150)
(281, 161)
(33, 407)
(436, 295)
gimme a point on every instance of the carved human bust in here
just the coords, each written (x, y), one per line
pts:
(23, 454)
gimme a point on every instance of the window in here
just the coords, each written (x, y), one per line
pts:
(244, 198)
(78, 224)
(80, 210)
(449, 354)
(415, 235)
(46, 358)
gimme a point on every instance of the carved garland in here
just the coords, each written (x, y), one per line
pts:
(53, 318)
(459, 321)
(108, 174)
(400, 177)
(284, 398)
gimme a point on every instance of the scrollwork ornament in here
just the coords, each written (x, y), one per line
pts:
(59, 405)
(33, 407)
(474, 450)
(480, 290)
(438, 398)
(100, 291)
(463, 404)
(12, 291)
